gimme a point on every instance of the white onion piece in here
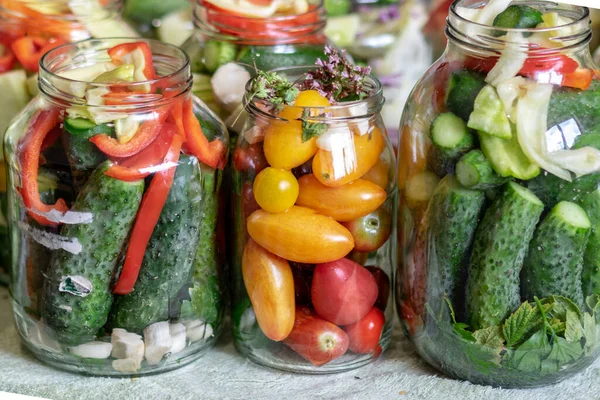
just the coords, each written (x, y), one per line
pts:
(99, 350)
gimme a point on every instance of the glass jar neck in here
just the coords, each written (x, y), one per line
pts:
(470, 37)
(223, 25)
(172, 67)
(64, 19)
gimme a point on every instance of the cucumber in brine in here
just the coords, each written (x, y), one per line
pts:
(463, 88)
(474, 171)
(590, 275)
(554, 262)
(451, 139)
(501, 243)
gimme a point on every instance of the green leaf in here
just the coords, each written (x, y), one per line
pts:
(311, 129)
(557, 325)
(590, 332)
(521, 324)
(573, 327)
(461, 329)
(528, 356)
(490, 337)
(562, 353)
(452, 314)
(593, 303)
(560, 306)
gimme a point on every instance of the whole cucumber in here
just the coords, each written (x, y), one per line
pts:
(554, 262)
(77, 296)
(590, 276)
(501, 242)
(169, 254)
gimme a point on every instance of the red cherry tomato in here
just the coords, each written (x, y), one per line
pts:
(249, 158)
(364, 335)
(383, 283)
(343, 291)
(370, 231)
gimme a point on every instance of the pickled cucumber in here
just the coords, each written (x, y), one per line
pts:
(501, 243)
(451, 139)
(590, 276)
(77, 296)
(554, 262)
(474, 171)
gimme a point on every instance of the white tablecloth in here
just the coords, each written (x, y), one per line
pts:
(224, 374)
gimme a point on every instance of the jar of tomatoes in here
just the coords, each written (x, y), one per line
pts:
(114, 172)
(313, 198)
(498, 280)
(29, 29)
(232, 40)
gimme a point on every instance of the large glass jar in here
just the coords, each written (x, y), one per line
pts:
(312, 254)
(113, 189)
(28, 29)
(384, 34)
(228, 46)
(498, 280)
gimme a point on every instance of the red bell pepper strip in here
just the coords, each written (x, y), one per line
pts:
(145, 135)
(177, 117)
(147, 217)
(29, 158)
(210, 153)
(125, 54)
(7, 58)
(140, 165)
(29, 50)
(581, 78)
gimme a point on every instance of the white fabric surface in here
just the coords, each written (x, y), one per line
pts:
(223, 374)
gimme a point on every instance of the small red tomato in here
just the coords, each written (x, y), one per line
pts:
(343, 291)
(249, 158)
(371, 231)
(315, 339)
(249, 204)
(383, 283)
(364, 335)
(302, 282)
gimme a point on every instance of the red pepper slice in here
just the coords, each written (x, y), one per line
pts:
(7, 58)
(29, 158)
(146, 220)
(177, 117)
(210, 153)
(581, 78)
(140, 165)
(126, 54)
(145, 135)
(29, 50)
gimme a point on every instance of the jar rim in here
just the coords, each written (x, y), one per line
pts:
(110, 6)
(345, 111)
(176, 81)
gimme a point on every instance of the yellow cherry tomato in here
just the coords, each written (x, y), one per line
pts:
(270, 286)
(339, 170)
(412, 158)
(275, 190)
(300, 235)
(283, 145)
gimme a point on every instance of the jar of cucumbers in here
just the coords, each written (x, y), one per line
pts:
(113, 180)
(234, 39)
(314, 193)
(28, 29)
(499, 223)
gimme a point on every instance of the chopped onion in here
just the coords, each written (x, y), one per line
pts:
(158, 341)
(98, 350)
(510, 62)
(178, 336)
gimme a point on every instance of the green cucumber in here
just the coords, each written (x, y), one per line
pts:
(573, 104)
(77, 295)
(206, 292)
(553, 265)
(217, 53)
(590, 275)
(270, 57)
(169, 255)
(451, 139)
(488, 115)
(463, 88)
(507, 158)
(82, 154)
(336, 8)
(147, 11)
(453, 214)
(518, 17)
(500, 245)
(474, 171)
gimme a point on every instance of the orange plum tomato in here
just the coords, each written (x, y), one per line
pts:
(270, 286)
(300, 235)
(364, 335)
(275, 190)
(379, 174)
(343, 291)
(334, 171)
(316, 340)
(344, 203)
(370, 231)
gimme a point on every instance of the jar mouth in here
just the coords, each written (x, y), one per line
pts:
(86, 11)
(294, 28)
(339, 112)
(172, 66)
(575, 32)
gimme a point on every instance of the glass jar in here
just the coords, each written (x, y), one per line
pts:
(290, 311)
(222, 39)
(498, 219)
(384, 34)
(27, 30)
(115, 263)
